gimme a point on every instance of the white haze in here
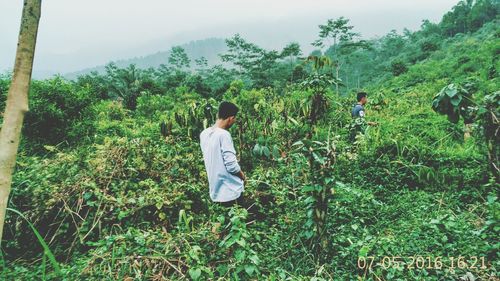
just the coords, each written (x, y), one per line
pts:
(78, 34)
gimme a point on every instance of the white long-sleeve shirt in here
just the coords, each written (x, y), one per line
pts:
(221, 164)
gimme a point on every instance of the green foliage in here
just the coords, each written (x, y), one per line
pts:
(320, 157)
(398, 68)
(244, 261)
(178, 58)
(46, 249)
(338, 30)
(488, 115)
(127, 84)
(4, 88)
(469, 16)
(454, 101)
(357, 126)
(263, 149)
(58, 112)
(254, 63)
(319, 82)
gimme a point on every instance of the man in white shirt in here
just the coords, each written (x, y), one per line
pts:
(225, 178)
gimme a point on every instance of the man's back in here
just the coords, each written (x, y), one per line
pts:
(221, 164)
(358, 111)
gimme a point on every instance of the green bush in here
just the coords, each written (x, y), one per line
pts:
(57, 113)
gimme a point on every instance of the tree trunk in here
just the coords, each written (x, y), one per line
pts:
(347, 81)
(337, 69)
(17, 100)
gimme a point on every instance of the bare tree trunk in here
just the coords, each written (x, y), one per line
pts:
(347, 80)
(337, 76)
(17, 100)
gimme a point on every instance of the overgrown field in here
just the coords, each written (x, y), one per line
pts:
(115, 199)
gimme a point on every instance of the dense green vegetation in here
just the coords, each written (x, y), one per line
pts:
(117, 198)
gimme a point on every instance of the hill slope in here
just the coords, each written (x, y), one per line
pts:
(207, 48)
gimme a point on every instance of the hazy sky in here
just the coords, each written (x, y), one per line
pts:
(75, 34)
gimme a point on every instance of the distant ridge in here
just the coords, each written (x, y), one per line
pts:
(208, 48)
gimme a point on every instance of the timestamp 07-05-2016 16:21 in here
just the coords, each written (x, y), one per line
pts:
(423, 262)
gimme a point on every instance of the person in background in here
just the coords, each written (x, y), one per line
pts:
(225, 177)
(358, 111)
(359, 124)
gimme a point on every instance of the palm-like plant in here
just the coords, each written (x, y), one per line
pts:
(125, 84)
(319, 81)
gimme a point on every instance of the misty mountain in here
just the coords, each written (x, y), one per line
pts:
(207, 48)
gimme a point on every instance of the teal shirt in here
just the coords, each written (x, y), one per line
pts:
(358, 111)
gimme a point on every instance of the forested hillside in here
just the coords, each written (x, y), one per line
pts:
(110, 172)
(205, 50)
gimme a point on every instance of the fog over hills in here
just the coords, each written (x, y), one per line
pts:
(208, 48)
(78, 37)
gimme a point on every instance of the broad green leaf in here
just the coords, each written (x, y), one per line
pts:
(250, 269)
(256, 149)
(265, 151)
(451, 90)
(240, 255)
(194, 273)
(455, 101)
(308, 188)
(363, 251)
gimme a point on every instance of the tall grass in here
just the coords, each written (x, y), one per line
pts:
(46, 249)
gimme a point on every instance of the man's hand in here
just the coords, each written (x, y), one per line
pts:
(241, 175)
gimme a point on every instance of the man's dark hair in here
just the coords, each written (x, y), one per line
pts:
(227, 109)
(361, 95)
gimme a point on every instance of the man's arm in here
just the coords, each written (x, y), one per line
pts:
(362, 115)
(229, 156)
